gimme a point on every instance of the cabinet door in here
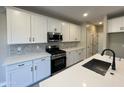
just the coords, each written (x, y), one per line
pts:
(71, 58)
(117, 24)
(42, 68)
(38, 29)
(72, 32)
(109, 26)
(18, 27)
(54, 25)
(21, 76)
(80, 55)
(78, 33)
(75, 32)
(65, 31)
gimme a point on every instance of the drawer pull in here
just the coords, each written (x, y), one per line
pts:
(42, 59)
(21, 65)
(121, 28)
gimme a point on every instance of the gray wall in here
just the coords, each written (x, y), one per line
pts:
(116, 42)
(3, 46)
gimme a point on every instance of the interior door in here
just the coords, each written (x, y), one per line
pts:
(92, 42)
(89, 43)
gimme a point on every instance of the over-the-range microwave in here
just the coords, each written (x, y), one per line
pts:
(54, 37)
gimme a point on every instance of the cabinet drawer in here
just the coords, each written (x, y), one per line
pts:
(44, 58)
(19, 65)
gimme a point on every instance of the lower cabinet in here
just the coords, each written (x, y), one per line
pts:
(20, 75)
(41, 68)
(74, 56)
(26, 73)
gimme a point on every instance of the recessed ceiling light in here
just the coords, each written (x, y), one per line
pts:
(85, 14)
(100, 23)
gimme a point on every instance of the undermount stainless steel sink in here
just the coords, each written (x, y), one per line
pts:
(97, 66)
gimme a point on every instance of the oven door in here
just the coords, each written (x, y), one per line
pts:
(58, 64)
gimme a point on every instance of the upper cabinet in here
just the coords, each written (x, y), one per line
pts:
(54, 25)
(18, 27)
(65, 31)
(75, 32)
(24, 27)
(116, 25)
(39, 29)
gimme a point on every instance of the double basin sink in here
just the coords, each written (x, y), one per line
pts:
(98, 66)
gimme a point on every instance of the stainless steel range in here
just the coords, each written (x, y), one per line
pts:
(58, 58)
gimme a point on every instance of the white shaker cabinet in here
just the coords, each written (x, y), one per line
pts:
(20, 75)
(65, 32)
(116, 25)
(42, 68)
(29, 72)
(18, 27)
(38, 29)
(74, 56)
(54, 25)
(70, 58)
(75, 32)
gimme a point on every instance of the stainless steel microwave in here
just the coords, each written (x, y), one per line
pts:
(54, 37)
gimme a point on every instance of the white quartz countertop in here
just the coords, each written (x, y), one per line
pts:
(26, 57)
(71, 49)
(78, 76)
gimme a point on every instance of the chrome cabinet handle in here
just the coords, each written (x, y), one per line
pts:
(55, 29)
(29, 39)
(33, 39)
(35, 67)
(21, 65)
(31, 68)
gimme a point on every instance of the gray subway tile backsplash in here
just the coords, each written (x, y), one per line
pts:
(21, 49)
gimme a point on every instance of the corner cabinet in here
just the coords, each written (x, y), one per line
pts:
(116, 25)
(18, 27)
(27, 73)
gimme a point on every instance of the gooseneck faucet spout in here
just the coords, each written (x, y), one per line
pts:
(113, 64)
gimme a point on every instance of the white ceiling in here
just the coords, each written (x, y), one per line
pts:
(74, 13)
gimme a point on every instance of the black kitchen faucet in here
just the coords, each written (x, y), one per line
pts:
(113, 64)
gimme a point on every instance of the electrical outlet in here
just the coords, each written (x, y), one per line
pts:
(37, 47)
(19, 50)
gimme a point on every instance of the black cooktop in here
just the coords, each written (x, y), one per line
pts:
(54, 50)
